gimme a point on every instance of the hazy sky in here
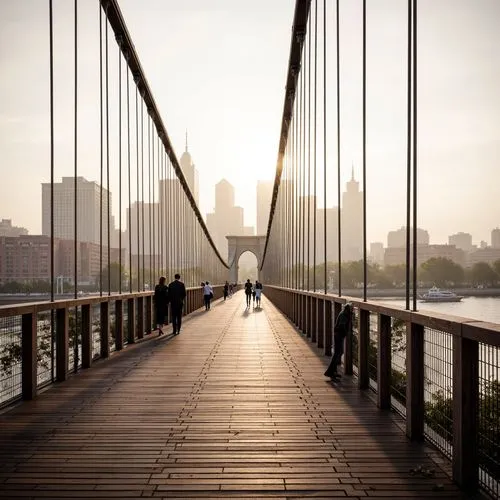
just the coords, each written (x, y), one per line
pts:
(217, 68)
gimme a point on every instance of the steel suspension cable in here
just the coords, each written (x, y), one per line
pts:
(415, 150)
(365, 267)
(75, 158)
(408, 154)
(138, 205)
(339, 211)
(142, 197)
(120, 169)
(129, 214)
(149, 206)
(108, 189)
(324, 149)
(101, 151)
(315, 135)
(309, 156)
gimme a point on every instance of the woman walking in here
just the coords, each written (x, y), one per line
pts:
(258, 292)
(208, 295)
(248, 292)
(160, 300)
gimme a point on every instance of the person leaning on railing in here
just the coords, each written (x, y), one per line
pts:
(343, 325)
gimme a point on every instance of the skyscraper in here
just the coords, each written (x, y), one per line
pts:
(89, 211)
(190, 172)
(462, 241)
(352, 221)
(495, 238)
(264, 197)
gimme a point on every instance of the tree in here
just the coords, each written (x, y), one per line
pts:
(396, 274)
(496, 267)
(441, 272)
(483, 274)
(114, 272)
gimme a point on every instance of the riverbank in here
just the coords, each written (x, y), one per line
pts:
(400, 293)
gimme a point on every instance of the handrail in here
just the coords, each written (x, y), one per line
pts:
(117, 22)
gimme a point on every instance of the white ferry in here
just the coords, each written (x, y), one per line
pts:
(437, 295)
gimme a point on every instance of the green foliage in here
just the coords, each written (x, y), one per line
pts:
(483, 274)
(441, 272)
(439, 417)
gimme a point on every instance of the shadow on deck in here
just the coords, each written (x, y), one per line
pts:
(235, 406)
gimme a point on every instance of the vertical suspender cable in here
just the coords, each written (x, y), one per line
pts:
(153, 196)
(75, 142)
(414, 155)
(309, 156)
(365, 273)
(303, 164)
(108, 189)
(324, 147)
(129, 222)
(51, 119)
(137, 204)
(315, 135)
(408, 157)
(160, 206)
(119, 170)
(149, 207)
(339, 211)
(101, 150)
(142, 193)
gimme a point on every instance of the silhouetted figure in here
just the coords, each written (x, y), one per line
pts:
(248, 292)
(343, 326)
(226, 290)
(208, 295)
(258, 292)
(176, 296)
(160, 300)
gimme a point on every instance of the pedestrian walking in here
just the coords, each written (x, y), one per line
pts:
(258, 292)
(248, 292)
(160, 301)
(226, 290)
(176, 297)
(230, 289)
(208, 295)
(253, 294)
(343, 326)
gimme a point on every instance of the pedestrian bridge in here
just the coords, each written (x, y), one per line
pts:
(235, 406)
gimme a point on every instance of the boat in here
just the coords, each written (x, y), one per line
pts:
(435, 294)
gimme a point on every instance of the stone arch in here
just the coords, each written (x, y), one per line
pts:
(238, 245)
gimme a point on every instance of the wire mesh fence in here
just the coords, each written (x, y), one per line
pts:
(10, 359)
(398, 366)
(489, 419)
(373, 349)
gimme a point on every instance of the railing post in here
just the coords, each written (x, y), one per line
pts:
(86, 336)
(320, 322)
(62, 344)
(130, 321)
(465, 403)
(328, 328)
(119, 325)
(29, 346)
(149, 313)
(384, 362)
(105, 330)
(140, 317)
(363, 346)
(313, 319)
(415, 408)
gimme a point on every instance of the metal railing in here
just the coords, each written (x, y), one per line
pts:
(441, 373)
(44, 342)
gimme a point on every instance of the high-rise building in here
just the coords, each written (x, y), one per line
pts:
(352, 221)
(264, 197)
(397, 239)
(190, 172)
(495, 238)
(7, 229)
(90, 210)
(462, 241)
(227, 219)
(377, 252)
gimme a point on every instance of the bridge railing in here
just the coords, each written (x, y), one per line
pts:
(45, 342)
(441, 373)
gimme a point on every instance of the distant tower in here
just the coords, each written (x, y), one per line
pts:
(352, 220)
(190, 172)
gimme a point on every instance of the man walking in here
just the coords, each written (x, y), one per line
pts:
(176, 296)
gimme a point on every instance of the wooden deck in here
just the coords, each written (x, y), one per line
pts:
(235, 406)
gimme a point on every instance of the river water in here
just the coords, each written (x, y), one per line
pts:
(477, 308)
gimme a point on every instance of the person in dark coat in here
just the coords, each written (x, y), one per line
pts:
(160, 300)
(176, 296)
(226, 290)
(343, 326)
(248, 292)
